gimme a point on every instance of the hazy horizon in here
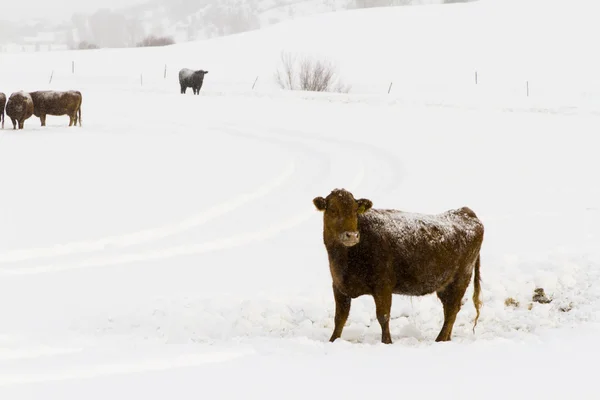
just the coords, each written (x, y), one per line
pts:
(59, 10)
(71, 24)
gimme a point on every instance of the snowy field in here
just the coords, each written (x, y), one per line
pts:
(169, 247)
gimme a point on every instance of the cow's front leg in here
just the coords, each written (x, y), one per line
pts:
(383, 306)
(342, 310)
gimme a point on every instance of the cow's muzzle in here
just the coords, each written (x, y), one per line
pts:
(349, 239)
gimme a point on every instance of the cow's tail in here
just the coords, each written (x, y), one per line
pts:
(3, 118)
(477, 290)
(79, 114)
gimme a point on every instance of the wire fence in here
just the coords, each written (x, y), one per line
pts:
(441, 85)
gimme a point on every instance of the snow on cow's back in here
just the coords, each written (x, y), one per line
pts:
(460, 226)
(185, 73)
(47, 95)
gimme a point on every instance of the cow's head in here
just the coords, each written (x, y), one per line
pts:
(340, 216)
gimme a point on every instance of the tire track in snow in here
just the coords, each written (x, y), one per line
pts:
(374, 151)
(230, 242)
(121, 368)
(292, 138)
(161, 232)
(12, 354)
(151, 234)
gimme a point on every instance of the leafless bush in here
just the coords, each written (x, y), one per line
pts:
(308, 74)
(284, 76)
(86, 46)
(151, 41)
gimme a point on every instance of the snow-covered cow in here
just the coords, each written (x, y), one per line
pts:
(381, 252)
(190, 78)
(18, 108)
(50, 102)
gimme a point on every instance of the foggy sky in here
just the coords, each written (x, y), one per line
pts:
(59, 10)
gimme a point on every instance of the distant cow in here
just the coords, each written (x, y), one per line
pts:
(50, 102)
(19, 107)
(190, 78)
(380, 252)
(2, 105)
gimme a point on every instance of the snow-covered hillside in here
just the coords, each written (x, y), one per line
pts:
(125, 25)
(189, 20)
(169, 247)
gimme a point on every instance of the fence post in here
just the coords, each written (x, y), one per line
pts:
(165, 77)
(254, 82)
(476, 77)
(51, 75)
(72, 67)
(527, 85)
(390, 88)
(141, 80)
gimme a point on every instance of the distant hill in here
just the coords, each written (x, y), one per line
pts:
(180, 20)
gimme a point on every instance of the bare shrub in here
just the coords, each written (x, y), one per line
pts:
(284, 76)
(151, 41)
(84, 45)
(309, 74)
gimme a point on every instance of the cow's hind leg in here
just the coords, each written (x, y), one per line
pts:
(342, 310)
(451, 297)
(43, 119)
(383, 306)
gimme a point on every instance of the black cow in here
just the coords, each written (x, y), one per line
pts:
(190, 78)
(381, 252)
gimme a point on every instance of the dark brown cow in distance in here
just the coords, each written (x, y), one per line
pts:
(18, 108)
(50, 102)
(381, 252)
(2, 105)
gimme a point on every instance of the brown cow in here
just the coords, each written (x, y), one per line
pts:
(383, 252)
(19, 107)
(2, 105)
(50, 102)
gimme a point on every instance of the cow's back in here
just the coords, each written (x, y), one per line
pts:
(42, 99)
(425, 251)
(185, 74)
(56, 103)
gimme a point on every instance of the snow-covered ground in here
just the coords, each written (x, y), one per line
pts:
(169, 247)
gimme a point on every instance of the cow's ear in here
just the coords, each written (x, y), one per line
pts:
(320, 203)
(364, 205)
(205, 72)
